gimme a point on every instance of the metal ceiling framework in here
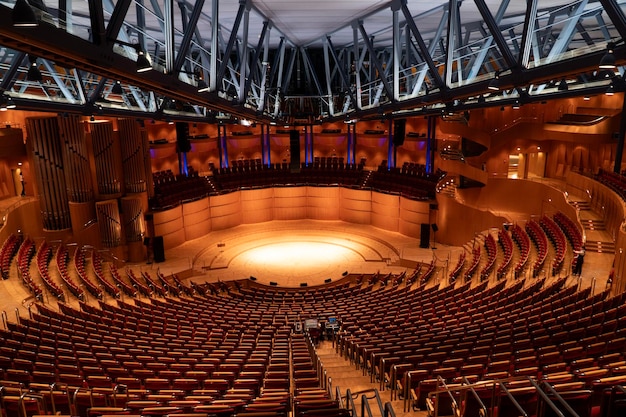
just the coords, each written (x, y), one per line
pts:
(419, 60)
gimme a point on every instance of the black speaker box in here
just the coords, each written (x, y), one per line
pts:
(157, 249)
(434, 226)
(294, 150)
(182, 137)
(399, 131)
(425, 235)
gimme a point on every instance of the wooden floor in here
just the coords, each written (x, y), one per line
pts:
(291, 253)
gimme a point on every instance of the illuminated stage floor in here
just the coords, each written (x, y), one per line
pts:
(295, 252)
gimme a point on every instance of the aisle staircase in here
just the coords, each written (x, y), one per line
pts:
(598, 239)
(345, 375)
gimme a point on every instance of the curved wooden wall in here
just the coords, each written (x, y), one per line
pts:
(195, 219)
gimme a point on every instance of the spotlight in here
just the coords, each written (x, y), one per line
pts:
(586, 98)
(33, 70)
(92, 118)
(23, 15)
(608, 59)
(202, 86)
(6, 103)
(563, 85)
(516, 105)
(610, 90)
(117, 88)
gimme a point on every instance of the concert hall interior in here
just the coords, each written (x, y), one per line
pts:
(414, 209)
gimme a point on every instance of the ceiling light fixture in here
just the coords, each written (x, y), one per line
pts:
(33, 74)
(117, 88)
(494, 84)
(202, 86)
(23, 14)
(608, 59)
(563, 85)
(144, 63)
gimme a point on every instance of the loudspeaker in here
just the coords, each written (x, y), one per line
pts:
(424, 235)
(303, 284)
(399, 131)
(434, 226)
(294, 150)
(157, 249)
(328, 281)
(252, 278)
(182, 137)
(273, 284)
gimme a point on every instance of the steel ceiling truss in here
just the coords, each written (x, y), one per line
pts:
(419, 59)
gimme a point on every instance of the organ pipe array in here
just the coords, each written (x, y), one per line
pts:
(45, 147)
(75, 159)
(133, 155)
(133, 218)
(107, 158)
(108, 215)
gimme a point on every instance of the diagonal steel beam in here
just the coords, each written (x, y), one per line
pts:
(8, 78)
(117, 18)
(256, 56)
(496, 35)
(243, 4)
(96, 16)
(425, 51)
(616, 14)
(374, 59)
(183, 47)
(566, 34)
(530, 21)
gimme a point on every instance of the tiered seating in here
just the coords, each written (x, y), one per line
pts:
(182, 287)
(62, 257)
(154, 287)
(457, 269)
(556, 235)
(429, 273)
(414, 184)
(138, 285)
(492, 252)
(572, 232)
(44, 255)
(506, 242)
(170, 189)
(96, 264)
(121, 284)
(8, 252)
(613, 180)
(81, 270)
(25, 255)
(474, 265)
(521, 239)
(540, 240)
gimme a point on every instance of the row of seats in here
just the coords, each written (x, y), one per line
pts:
(521, 239)
(7, 252)
(538, 236)
(492, 252)
(25, 255)
(613, 180)
(458, 267)
(571, 230)
(506, 242)
(556, 235)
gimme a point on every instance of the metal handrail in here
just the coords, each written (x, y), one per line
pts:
(475, 394)
(560, 399)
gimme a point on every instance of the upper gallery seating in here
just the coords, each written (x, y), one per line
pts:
(613, 180)
(411, 180)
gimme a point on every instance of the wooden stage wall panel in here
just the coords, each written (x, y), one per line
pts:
(289, 203)
(411, 215)
(322, 203)
(257, 205)
(386, 211)
(225, 210)
(356, 206)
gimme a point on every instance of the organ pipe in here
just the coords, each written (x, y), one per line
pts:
(108, 215)
(133, 152)
(75, 159)
(45, 147)
(132, 209)
(107, 158)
